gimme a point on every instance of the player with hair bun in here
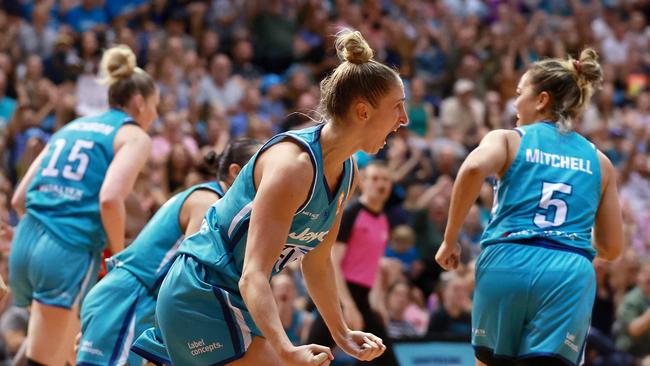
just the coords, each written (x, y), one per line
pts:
(535, 283)
(216, 305)
(72, 205)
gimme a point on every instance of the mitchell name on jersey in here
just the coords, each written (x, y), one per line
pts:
(538, 156)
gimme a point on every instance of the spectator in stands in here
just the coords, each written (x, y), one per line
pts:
(220, 86)
(420, 111)
(296, 322)
(249, 114)
(402, 249)
(452, 321)
(633, 316)
(89, 15)
(462, 114)
(397, 300)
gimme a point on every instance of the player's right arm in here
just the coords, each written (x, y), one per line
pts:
(282, 174)
(19, 197)
(608, 228)
(132, 146)
(489, 158)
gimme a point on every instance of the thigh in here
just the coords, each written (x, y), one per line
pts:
(260, 353)
(198, 322)
(109, 319)
(61, 276)
(499, 310)
(28, 235)
(561, 305)
(52, 331)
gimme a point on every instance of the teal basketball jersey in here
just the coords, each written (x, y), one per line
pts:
(64, 194)
(149, 256)
(221, 243)
(550, 192)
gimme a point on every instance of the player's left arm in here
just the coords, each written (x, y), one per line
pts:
(489, 158)
(320, 279)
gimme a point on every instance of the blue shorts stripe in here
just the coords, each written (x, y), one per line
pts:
(243, 229)
(230, 321)
(120, 340)
(149, 356)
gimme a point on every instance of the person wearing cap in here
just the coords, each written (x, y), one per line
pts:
(462, 114)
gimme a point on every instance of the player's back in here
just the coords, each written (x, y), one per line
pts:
(550, 193)
(149, 256)
(64, 194)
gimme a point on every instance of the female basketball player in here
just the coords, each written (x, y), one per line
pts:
(535, 285)
(216, 305)
(122, 304)
(72, 198)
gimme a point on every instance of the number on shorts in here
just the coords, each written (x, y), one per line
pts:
(547, 202)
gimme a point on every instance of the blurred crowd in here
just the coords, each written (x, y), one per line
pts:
(238, 68)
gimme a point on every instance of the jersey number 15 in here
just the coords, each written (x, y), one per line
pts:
(76, 155)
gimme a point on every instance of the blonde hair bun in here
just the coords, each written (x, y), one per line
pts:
(590, 70)
(118, 63)
(352, 47)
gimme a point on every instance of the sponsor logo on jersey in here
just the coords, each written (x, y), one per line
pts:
(313, 216)
(308, 236)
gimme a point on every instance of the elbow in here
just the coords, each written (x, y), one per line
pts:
(246, 283)
(472, 170)
(17, 203)
(108, 202)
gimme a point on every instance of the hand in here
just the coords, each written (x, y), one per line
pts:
(448, 256)
(360, 345)
(352, 316)
(310, 354)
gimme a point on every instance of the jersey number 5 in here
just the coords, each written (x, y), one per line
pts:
(76, 155)
(548, 203)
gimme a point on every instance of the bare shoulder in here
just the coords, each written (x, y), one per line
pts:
(288, 160)
(500, 136)
(202, 198)
(132, 134)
